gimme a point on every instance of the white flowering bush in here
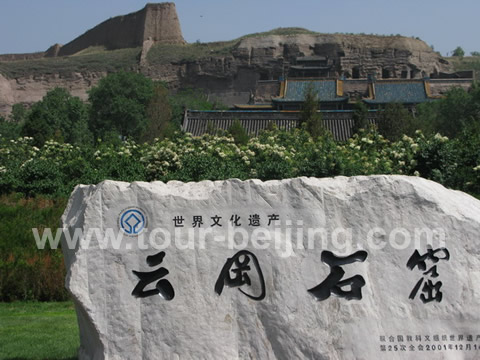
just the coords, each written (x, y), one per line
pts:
(55, 168)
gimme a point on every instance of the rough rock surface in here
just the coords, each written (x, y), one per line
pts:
(233, 77)
(369, 53)
(27, 90)
(289, 323)
(265, 58)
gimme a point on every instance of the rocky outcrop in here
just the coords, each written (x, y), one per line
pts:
(27, 90)
(367, 54)
(269, 57)
(380, 267)
(230, 78)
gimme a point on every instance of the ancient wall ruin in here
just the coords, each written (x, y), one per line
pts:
(26, 56)
(162, 24)
(158, 22)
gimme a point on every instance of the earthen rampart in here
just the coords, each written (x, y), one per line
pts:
(158, 22)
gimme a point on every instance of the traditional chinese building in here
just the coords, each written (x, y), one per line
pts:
(329, 94)
(198, 122)
(279, 102)
(341, 94)
(313, 67)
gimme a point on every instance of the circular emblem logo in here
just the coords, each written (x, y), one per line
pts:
(132, 221)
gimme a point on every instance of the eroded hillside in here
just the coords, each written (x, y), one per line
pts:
(227, 70)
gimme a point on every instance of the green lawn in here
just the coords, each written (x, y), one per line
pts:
(35, 330)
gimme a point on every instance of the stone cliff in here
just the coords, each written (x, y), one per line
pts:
(232, 77)
(29, 89)
(228, 71)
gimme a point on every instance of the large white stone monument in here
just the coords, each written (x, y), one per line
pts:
(380, 267)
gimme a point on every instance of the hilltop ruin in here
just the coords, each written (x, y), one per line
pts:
(155, 22)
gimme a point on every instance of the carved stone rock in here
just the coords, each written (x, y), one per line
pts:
(202, 315)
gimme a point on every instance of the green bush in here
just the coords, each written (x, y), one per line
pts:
(27, 273)
(238, 133)
(38, 277)
(9, 129)
(436, 159)
(119, 102)
(58, 116)
(310, 117)
(40, 177)
(190, 98)
(452, 115)
(360, 117)
(394, 121)
(55, 168)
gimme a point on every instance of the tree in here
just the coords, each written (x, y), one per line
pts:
(458, 52)
(310, 117)
(190, 98)
(11, 128)
(238, 133)
(475, 53)
(360, 117)
(8, 129)
(18, 114)
(394, 121)
(119, 105)
(457, 111)
(58, 116)
(159, 115)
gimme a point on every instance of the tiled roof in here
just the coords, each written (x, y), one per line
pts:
(196, 122)
(253, 106)
(411, 92)
(326, 90)
(253, 121)
(311, 58)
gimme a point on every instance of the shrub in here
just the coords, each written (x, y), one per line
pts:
(9, 129)
(310, 117)
(458, 52)
(238, 133)
(58, 116)
(55, 168)
(394, 121)
(360, 117)
(119, 102)
(27, 273)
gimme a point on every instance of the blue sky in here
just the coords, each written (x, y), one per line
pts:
(34, 25)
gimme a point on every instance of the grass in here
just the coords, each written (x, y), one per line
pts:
(27, 273)
(89, 60)
(20, 215)
(282, 32)
(174, 53)
(165, 54)
(42, 331)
